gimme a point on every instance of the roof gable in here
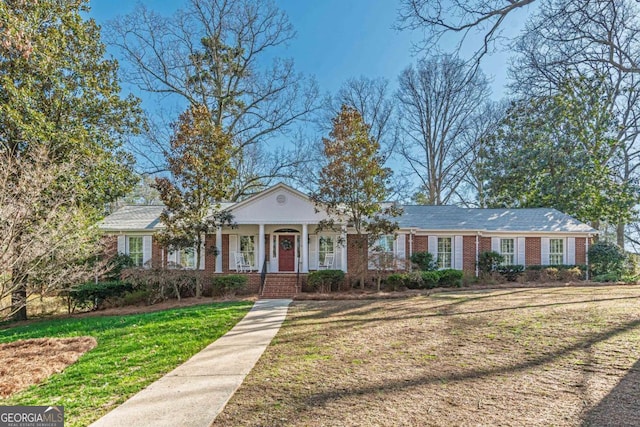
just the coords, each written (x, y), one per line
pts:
(279, 204)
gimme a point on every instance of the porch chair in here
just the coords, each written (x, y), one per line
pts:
(242, 266)
(328, 262)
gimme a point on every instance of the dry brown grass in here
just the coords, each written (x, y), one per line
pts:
(552, 356)
(29, 362)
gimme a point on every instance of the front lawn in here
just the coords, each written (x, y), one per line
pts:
(565, 356)
(132, 352)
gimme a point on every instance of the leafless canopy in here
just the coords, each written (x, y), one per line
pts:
(490, 17)
(437, 102)
(214, 53)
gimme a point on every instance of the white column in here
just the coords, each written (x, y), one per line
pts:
(343, 236)
(305, 248)
(219, 248)
(260, 247)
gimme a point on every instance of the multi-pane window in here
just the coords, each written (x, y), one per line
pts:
(556, 251)
(507, 250)
(135, 250)
(385, 243)
(444, 252)
(187, 258)
(325, 248)
(383, 257)
(248, 248)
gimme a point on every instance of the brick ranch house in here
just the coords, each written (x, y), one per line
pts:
(276, 231)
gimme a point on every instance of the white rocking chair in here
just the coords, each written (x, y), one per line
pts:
(328, 262)
(242, 266)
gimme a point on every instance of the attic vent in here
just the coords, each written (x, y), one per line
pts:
(281, 199)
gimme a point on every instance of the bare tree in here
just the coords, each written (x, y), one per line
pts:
(212, 53)
(437, 101)
(371, 98)
(488, 19)
(483, 123)
(46, 240)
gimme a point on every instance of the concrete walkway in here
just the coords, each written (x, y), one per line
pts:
(195, 392)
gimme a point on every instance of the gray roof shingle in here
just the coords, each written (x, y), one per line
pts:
(133, 218)
(505, 220)
(436, 218)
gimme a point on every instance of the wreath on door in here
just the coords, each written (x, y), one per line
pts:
(286, 244)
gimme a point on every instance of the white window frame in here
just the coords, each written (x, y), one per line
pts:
(135, 255)
(510, 258)
(554, 253)
(326, 246)
(250, 253)
(442, 257)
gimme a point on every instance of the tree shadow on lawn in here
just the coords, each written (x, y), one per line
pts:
(359, 317)
(621, 407)
(625, 390)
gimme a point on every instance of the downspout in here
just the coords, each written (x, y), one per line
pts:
(410, 249)
(586, 256)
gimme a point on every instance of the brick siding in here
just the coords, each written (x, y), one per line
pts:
(485, 244)
(581, 250)
(469, 254)
(533, 250)
(355, 244)
(420, 244)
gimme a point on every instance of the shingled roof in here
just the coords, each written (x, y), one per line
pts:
(436, 218)
(453, 218)
(133, 218)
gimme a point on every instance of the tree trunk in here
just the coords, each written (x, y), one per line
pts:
(19, 299)
(620, 234)
(197, 275)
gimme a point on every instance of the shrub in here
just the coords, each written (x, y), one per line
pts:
(162, 283)
(135, 297)
(424, 261)
(396, 281)
(94, 295)
(510, 272)
(228, 285)
(571, 274)
(116, 265)
(607, 277)
(549, 274)
(430, 279)
(606, 258)
(450, 278)
(325, 280)
(489, 261)
(413, 280)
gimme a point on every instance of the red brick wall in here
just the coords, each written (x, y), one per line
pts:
(581, 250)
(156, 253)
(420, 244)
(225, 253)
(485, 244)
(532, 248)
(354, 248)
(209, 256)
(469, 254)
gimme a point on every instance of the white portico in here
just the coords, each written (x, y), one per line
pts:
(267, 234)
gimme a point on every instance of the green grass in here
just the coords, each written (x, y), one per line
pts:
(132, 352)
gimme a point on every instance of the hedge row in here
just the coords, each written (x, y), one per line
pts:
(426, 279)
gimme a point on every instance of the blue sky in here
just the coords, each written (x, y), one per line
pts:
(338, 39)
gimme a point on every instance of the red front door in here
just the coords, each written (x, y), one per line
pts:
(286, 252)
